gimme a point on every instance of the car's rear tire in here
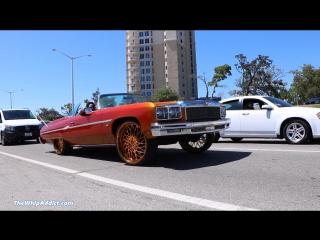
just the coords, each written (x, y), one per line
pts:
(132, 145)
(4, 142)
(61, 147)
(296, 132)
(197, 144)
(236, 139)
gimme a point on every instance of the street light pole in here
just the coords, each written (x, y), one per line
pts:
(10, 95)
(72, 82)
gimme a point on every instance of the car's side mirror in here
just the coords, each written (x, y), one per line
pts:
(268, 107)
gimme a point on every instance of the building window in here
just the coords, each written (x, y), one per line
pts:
(182, 62)
(181, 54)
(148, 70)
(147, 48)
(141, 41)
(141, 49)
(141, 71)
(182, 69)
(146, 40)
(180, 33)
(183, 85)
(166, 67)
(146, 33)
(143, 86)
(181, 48)
(141, 63)
(147, 63)
(147, 55)
(181, 40)
(142, 79)
(141, 56)
(148, 94)
(140, 34)
(184, 93)
(182, 77)
(148, 78)
(148, 86)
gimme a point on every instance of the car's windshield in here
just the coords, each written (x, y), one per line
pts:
(18, 114)
(278, 102)
(112, 100)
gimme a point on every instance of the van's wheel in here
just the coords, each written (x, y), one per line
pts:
(61, 147)
(4, 142)
(132, 145)
(296, 132)
(198, 143)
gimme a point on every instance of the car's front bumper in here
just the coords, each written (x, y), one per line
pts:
(173, 129)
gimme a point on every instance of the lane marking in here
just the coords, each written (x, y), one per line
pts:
(153, 191)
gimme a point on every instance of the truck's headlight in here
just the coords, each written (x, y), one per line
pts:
(9, 127)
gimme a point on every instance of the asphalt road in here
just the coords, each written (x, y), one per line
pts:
(253, 175)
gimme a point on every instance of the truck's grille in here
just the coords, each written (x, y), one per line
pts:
(202, 113)
(27, 128)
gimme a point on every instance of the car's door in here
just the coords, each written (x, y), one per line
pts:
(233, 109)
(258, 122)
(87, 129)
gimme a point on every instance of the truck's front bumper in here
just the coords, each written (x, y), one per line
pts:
(173, 129)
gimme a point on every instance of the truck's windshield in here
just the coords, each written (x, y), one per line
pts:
(18, 114)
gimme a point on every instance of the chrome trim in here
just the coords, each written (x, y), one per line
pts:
(78, 126)
(163, 129)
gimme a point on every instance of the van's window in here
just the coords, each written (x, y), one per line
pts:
(18, 114)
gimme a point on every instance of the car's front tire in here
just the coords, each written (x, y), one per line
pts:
(296, 132)
(61, 147)
(132, 145)
(197, 144)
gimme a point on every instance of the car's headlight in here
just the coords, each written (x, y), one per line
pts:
(318, 115)
(9, 127)
(168, 112)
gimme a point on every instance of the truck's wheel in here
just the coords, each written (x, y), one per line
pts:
(198, 143)
(61, 147)
(132, 145)
(4, 142)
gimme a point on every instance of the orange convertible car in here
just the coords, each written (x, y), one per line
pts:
(136, 126)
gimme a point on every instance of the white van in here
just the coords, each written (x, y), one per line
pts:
(18, 125)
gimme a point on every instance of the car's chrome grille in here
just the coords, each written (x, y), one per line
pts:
(202, 113)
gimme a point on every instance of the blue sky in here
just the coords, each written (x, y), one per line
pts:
(27, 61)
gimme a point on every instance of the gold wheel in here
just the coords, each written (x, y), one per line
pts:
(132, 145)
(61, 147)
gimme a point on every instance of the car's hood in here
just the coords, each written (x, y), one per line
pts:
(22, 122)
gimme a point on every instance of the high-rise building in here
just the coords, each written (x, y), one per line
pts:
(159, 58)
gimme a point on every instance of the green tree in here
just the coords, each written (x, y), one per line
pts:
(259, 77)
(221, 73)
(165, 94)
(66, 109)
(306, 82)
(204, 80)
(48, 114)
(94, 97)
